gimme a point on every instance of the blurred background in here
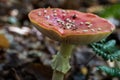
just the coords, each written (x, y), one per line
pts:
(25, 54)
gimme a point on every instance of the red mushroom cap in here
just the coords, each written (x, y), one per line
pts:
(70, 26)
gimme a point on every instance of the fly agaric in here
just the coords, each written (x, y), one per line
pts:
(69, 27)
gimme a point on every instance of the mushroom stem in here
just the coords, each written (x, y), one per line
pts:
(60, 62)
(57, 75)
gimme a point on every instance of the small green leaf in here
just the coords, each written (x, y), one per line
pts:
(110, 71)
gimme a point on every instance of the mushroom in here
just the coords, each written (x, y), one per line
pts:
(69, 27)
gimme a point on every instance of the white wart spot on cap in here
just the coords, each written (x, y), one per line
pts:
(39, 13)
(54, 11)
(99, 29)
(64, 14)
(111, 29)
(45, 11)
(81, 23)
(68, 25)
(58, 20)
(47, 17)
(87, 23)
(68, 20)
(85, 30)
(63, 11)
(89, 26)
(54, 14)
(93, 30)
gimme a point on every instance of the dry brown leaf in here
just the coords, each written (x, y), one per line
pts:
(3, 41)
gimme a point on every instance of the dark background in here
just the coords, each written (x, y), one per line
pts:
(25, 54)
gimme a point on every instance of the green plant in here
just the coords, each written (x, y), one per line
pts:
(108, 51)
(110, 11)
